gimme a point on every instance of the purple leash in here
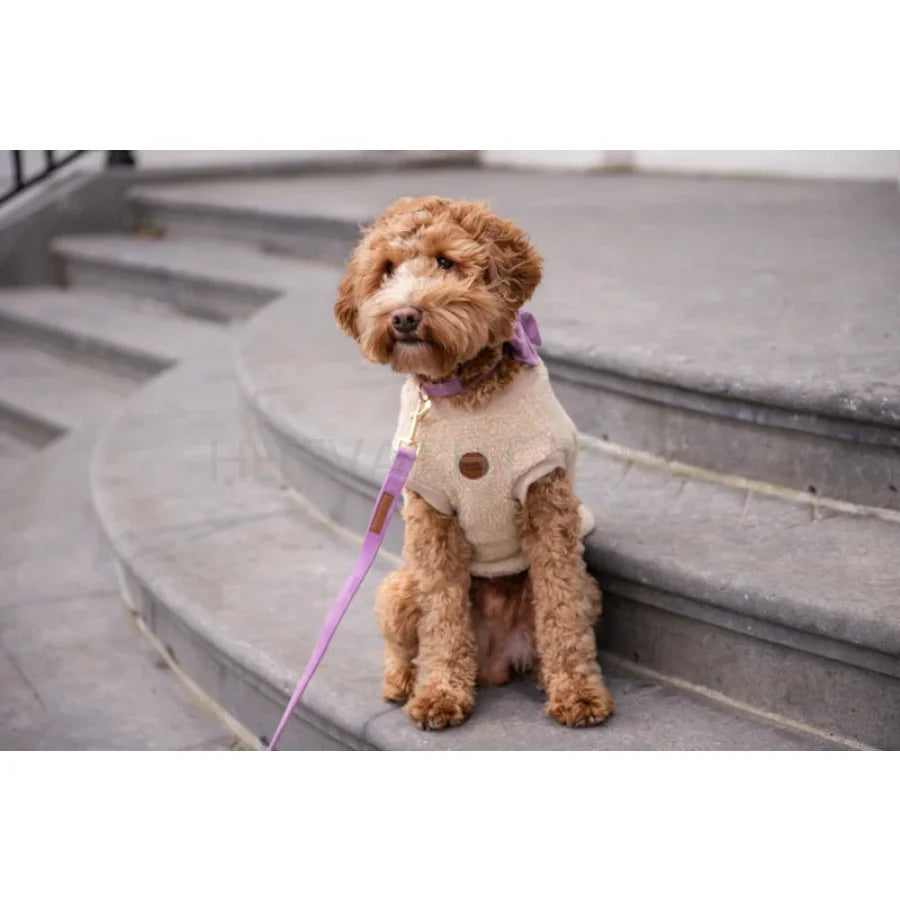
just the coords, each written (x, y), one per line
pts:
(521, 347)
(381, 516)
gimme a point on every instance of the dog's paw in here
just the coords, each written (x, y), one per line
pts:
(435, 708)
(397, 684)
(581, 704)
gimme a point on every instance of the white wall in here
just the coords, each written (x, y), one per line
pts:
(855, 164)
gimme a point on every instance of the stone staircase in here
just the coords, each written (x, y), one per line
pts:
(727, 347)
(74, 673)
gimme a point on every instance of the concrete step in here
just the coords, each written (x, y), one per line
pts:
(12, 447)
(156, 165)
(50, 394)
(134, 337)
(784, 603)
(234, 575)
(252, 211)
(745, 326)
(74, 673)
(206, 279)
(23, 431)
(69, 358)
(159, 167)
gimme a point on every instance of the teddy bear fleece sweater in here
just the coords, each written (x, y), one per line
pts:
(479, 465)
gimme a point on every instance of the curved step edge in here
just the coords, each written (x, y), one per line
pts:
(775, 650)
(233, 578)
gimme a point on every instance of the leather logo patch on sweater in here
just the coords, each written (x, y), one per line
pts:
(473, 465)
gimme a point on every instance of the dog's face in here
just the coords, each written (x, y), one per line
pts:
(433, 282)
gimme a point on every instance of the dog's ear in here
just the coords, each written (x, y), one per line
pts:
(345, 305)
(514, 265)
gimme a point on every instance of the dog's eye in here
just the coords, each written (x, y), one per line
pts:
(445, 263)
(388, 268)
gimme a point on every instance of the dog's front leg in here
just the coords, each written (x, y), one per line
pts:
(438, 553)
(564, 604)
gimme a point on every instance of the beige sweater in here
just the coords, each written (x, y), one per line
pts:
(479, 465)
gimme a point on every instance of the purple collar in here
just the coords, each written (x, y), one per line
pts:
(522, 347)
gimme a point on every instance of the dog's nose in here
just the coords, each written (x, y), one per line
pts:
(406, 319)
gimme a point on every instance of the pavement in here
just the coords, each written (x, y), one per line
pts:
(75, 673)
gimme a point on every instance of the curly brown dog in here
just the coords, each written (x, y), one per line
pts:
(494, 579)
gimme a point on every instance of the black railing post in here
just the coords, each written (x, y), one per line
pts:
(52, 163)
(18, 174)
(120, 158)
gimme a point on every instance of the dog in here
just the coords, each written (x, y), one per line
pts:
(493, 579)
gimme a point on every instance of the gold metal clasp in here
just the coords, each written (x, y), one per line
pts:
(415, 418)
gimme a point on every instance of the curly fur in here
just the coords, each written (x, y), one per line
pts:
(468, 272)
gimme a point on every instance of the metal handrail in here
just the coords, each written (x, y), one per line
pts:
(53, 163)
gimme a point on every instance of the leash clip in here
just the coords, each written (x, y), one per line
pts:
(421, 410)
